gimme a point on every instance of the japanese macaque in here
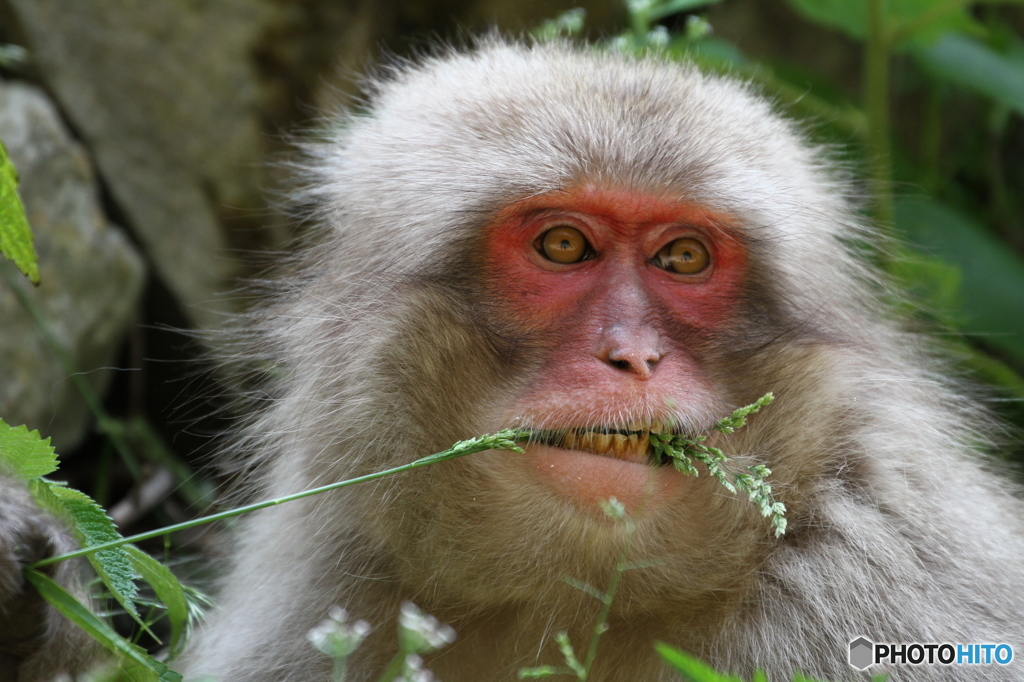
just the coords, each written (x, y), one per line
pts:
(603, 247)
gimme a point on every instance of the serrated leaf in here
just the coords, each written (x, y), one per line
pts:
(136, 664)
(15, 234)
(168, 589)
(91, 526)
(25, 453)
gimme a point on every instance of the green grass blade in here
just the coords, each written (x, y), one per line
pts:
(168, 589)
(136, 664)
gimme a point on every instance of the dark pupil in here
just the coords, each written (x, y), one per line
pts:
(687, 255)
(566, 245)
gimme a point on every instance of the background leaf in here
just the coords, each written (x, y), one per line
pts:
(973, 65)
(91, 526)
(25, 453)
(923, 20)
(168, 589)
(992, 276)
(15, 234)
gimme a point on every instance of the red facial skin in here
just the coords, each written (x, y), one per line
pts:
(612, 318)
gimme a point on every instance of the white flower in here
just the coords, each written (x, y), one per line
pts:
(335, 636)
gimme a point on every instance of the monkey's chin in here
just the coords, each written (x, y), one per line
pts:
(585, 479)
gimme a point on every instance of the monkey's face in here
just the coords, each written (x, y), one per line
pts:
(619, 300)
(613, 304)
(634, 285)
(640, 249)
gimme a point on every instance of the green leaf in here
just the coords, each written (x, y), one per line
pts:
(15, 234)
(992, 275)
(168, 589)
(25, 453)
(136, 664)
(915, 21)
(91, 526)
(689, 667)
(971, 64)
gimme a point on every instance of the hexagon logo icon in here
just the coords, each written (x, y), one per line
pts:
(861, 650)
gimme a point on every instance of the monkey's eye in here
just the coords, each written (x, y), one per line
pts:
(686, 256)
(563, 244)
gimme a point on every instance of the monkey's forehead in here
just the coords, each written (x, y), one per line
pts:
(522, 120)
(445, 142)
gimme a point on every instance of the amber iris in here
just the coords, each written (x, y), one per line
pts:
(686, 256)
(564, 244)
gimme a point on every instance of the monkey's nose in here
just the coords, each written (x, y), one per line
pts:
(631, 349)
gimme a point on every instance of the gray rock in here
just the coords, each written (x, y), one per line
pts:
(91, 275)
(166, 96)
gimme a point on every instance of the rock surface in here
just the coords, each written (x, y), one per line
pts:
(167, 99)
(91, 275)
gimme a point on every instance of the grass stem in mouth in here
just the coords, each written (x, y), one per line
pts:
(664, 447)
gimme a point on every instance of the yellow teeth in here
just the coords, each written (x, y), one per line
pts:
(647, 427)
(632, 445)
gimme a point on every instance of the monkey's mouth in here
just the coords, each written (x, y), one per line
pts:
(595, 463)
(632, 443)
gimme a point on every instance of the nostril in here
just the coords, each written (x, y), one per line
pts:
(632, 348)
(640, 366)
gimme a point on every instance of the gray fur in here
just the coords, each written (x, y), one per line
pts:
(36, 642)
(386, 346)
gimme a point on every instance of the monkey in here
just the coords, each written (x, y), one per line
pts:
(603, 246)
(600, 247)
